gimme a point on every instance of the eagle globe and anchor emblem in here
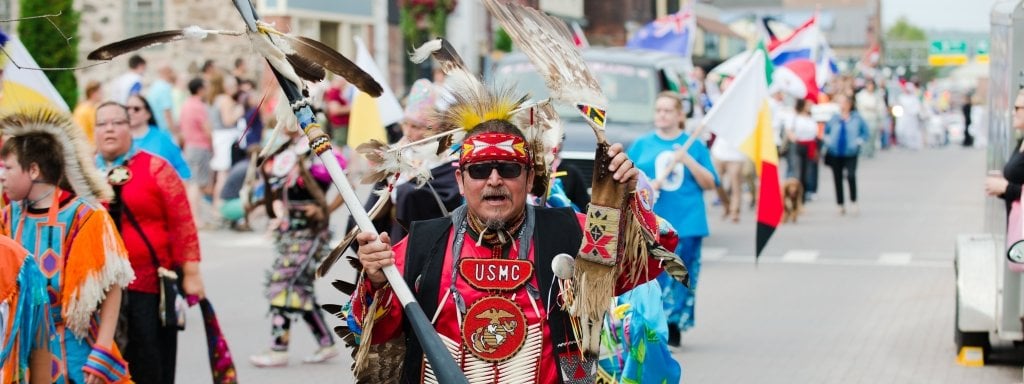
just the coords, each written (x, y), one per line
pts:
(495, 329)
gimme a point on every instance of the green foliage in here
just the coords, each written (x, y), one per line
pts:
(903, 30)
(46, 44)
(502, 41)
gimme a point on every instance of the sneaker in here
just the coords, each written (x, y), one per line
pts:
(270, 359)
(842, 210)
(323, 354)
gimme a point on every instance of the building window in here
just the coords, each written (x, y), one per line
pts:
(143, 16)
(711, 45)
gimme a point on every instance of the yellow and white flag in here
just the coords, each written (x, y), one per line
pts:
(22, 87)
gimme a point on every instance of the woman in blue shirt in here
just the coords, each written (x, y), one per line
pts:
(680, 201)
(147, 136)
(844, 134)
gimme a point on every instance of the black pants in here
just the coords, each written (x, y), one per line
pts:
(281, 324)
(838, 164)
(151, 349)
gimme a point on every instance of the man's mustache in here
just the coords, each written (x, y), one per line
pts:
(497, 192)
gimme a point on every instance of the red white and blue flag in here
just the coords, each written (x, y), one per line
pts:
(673, 33)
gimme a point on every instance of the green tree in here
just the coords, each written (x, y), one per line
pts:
(902, 30)
(48, 47)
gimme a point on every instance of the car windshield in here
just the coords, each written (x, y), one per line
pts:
(630, 89)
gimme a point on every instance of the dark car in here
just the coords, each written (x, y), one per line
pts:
(631, 79)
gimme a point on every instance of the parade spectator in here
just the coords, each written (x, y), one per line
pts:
(241, 70)
(76, 243)
(146, 136)
(249, 144)
(1007, 185)
(85, 111)
(225, 116)
(151, 211)
(844, 135)
(872, 109)
(909, 130)
(129, 83)
(338, 107)
(197, 135)
(161, 97)
(803, 132)
(966, 109)
(681, 202)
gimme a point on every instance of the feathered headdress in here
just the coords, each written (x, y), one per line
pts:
(80, 173)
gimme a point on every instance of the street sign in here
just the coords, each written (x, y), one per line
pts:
(981, 51)
(947, 52)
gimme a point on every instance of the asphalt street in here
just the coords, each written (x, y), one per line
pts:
(865, 298)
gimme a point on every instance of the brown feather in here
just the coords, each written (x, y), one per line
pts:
(445, 143)
(333, 61)
(344, 286)
(306, 69)
(136, 43)
(383, 205)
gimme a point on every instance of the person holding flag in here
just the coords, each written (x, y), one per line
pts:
(680, 202)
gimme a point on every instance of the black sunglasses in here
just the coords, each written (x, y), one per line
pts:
(505, 170)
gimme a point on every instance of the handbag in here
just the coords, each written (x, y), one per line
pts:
(1014, 233)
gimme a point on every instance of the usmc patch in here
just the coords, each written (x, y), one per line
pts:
(496, 274)
(495, 329)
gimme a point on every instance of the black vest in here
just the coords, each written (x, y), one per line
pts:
(557, 231)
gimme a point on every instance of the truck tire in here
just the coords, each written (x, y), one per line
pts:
(969, 339)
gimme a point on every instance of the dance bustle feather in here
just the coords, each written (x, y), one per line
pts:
(79, 166)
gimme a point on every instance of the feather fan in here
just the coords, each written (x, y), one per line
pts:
(547, 42)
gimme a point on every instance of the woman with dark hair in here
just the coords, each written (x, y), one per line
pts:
(148, 137)
(1007, 186)
(844, 135)
(803, 131)
(151, 211)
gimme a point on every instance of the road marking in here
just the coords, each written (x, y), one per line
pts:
(800, 256)
(895, 258)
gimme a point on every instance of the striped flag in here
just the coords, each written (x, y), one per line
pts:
(742, 116)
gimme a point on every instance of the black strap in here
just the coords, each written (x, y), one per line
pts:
(119, 208)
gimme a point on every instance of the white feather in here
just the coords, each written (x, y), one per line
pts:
(194, 32)
(423, 53)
